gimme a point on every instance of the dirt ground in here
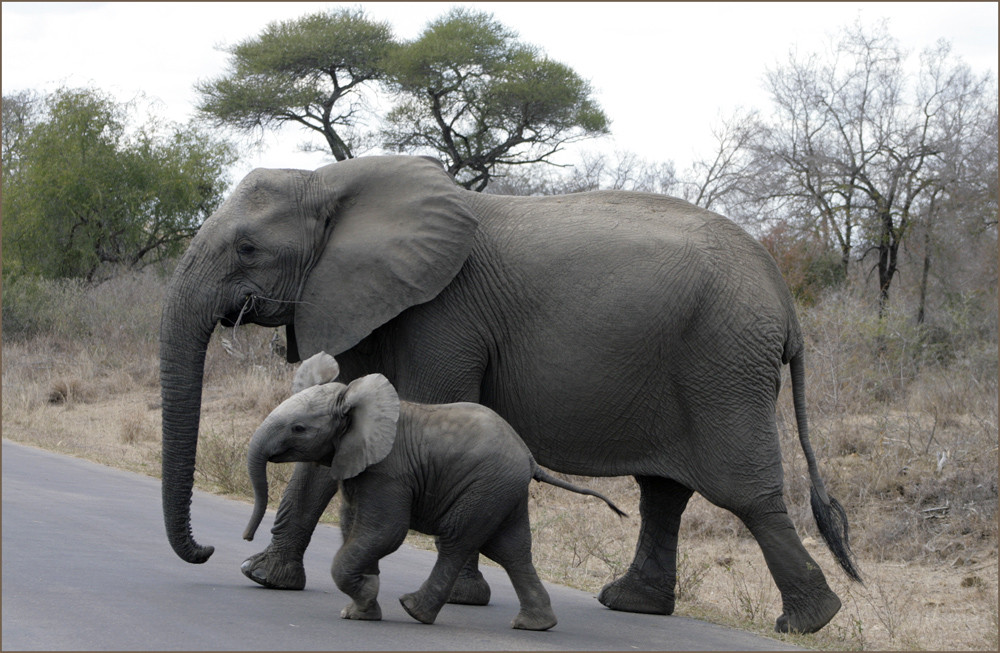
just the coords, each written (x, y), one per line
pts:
(933, 604)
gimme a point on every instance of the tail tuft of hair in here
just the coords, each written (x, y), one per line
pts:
(831, 519)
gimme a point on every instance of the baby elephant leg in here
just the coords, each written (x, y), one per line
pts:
(364, 605)
(424, 604)
(355, 569)
(510, 547)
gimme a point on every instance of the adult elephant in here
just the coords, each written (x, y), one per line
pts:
(618, 333)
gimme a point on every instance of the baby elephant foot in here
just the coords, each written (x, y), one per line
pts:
(364, 606)
(538, 619)
(419, 609)
(372, 612)
(470, 589)
(812, 619)
(630, 594)
(275, 571)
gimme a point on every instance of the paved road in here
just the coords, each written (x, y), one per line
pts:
(86, 565)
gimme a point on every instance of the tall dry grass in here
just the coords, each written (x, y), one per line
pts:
(77, 354)
(904, 422)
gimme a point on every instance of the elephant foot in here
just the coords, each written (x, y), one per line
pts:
(470, 589)
(419, 609)
(373, 612)
(539, 619)
(364, 606)
(629, 594)
(275, 571)
(809, 621)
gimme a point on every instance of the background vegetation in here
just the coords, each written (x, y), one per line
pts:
(871, 178)
(86, 191)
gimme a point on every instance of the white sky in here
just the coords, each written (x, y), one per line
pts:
(663, 72)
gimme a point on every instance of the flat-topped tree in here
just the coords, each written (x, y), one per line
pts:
(473, 95)
(307, 71)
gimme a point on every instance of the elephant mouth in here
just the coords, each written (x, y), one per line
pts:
(256, 309)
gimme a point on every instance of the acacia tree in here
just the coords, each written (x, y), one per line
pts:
(472, 94)
(89, 192)
(310, 71)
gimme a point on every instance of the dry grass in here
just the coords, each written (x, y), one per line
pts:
(906, 434)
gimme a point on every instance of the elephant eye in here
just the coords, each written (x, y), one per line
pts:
(245, 249)
(298, 428)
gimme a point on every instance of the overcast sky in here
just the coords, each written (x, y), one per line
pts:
(663, 72)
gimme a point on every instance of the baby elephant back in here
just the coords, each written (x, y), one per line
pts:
(463, 448)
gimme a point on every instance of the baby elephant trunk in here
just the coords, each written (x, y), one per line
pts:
(257, 467)
(544, 477)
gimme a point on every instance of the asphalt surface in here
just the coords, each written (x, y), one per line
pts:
(86, 566)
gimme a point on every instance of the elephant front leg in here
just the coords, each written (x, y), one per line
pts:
(648, 585)
(280, 565)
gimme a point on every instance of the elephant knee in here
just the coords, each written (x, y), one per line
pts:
(344, 576)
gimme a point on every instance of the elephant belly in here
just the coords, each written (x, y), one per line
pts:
(579, 416)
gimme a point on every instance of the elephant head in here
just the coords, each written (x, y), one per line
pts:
(331, 254)
(347, 428)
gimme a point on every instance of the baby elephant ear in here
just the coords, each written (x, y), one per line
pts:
(318, 369)
(373, 407)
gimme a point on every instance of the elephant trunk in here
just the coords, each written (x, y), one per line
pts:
(257, 458)
(185, 329)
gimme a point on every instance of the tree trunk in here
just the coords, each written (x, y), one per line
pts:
(922, 307)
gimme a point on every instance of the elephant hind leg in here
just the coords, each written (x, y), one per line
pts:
(470, 588)
(648, 585)
(808, 603)
(510, 547)
(425, 604)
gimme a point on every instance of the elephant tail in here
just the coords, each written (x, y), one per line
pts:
(831, 519)
(543, 476)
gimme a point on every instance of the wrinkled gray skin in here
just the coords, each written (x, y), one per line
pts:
(456, 471)
(518, 304)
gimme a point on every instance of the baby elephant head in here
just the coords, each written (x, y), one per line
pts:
(345, 427)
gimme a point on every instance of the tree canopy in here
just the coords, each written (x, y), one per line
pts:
(466, 90)
(309, 71)
(88, 191)
(475, 96)
(863, 148)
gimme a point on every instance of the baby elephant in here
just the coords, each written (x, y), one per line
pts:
(457, 471)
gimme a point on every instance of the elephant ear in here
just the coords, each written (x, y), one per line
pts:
(373, 407)
(399, 230)
(316, 370)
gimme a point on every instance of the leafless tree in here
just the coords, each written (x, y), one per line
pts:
(726, 179)
(858, 149)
